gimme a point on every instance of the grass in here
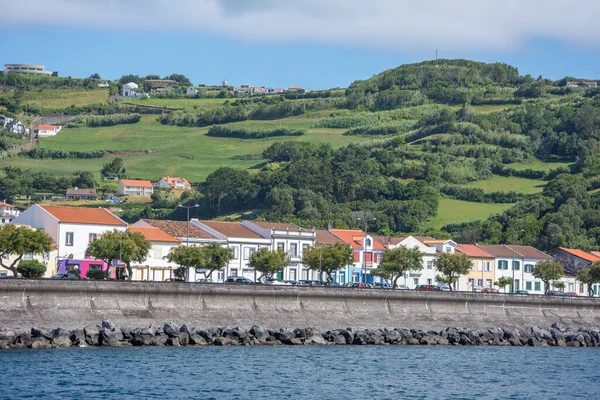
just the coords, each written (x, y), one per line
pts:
(179, 103)
(62, 98)
(507, 184)
(538, 165)
(455, 211)
(151, 150)
(491, 108)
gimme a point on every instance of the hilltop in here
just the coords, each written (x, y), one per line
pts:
(436, 145)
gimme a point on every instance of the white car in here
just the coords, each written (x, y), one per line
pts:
(277, 282)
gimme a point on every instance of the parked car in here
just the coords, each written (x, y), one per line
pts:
(310, 283)
(333, 284)
(444, 288)
(428, 288)
(293, 283)
(572, 294)
(68, 276)
(521, 292)
(382, 285)
(489, 290)
(277, 282)
(239, 280)
(401, 287)
(204, 280)
(174, 280)
(556, 293)
(361, 285)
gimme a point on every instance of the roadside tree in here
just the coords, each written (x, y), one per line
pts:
(503, 282)
(117, 245)
(187, 257)
(20, 240)
(398, 261)
(268, 262)
(32, 269)
(589, 276)
(547, 271)
(452, 267)
(327, 259)
(217, 257)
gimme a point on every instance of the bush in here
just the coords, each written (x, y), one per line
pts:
(31, 269)
(95, 274)
(103, 120)
(249, 133)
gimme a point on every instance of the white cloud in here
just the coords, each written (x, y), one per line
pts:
(398, 24)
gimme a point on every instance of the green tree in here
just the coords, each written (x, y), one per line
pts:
(398, 261)
(548, 271)
(17, 241)
(503, 282)
(187, 257)
(114, 168)
(217, 257)
(268, 262)
(134, 249)
(560, 285)
(451, 267)
(327, 259)
(125, 246)
(95, 274)
(32, 269)
(589, 276)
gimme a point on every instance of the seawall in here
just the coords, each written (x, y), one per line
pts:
(73, 304)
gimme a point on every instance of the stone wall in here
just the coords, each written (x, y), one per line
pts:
(48, 304)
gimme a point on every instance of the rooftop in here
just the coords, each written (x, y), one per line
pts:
(154, 234)
(473, 251)
(390, 240)
(500, 250)
(280, 226)
(47, 127)
(231, 229)
(77, 191)
(178, 229)
(581, 254)
(136, 183)
(83, 215)
(355, 238)
(327, 238)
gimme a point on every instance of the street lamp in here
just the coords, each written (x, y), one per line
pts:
(187, 240)
(366, 221)
(513, 262)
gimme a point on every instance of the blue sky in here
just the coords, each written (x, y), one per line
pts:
(316, 44)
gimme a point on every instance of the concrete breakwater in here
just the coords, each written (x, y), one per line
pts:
(71, 305)
(171, 334)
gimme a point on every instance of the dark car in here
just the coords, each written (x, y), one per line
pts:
(428, 288)
(310, 283)
(174, 280)
(489, 290)
(556, 293)
(68, 276)
(382, 285)
(239, 280)
(521, 292)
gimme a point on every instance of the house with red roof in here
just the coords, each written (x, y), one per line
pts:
(44, 130)
(582, 84)
(482, 269)
(72, 229)
(368, 253)
(156, 267)
(173, 182)
(573, 260)
(135, 187)
(7, 212)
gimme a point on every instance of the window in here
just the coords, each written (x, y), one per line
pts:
(93, 237)
(236, 252)
(479, 265)
(448, 249)
(516, 265)
(480, 282)
(502, 264)
(293, 249)
(488, 266)
(95, 267)
(488, 283)
(248, 251)
(430, 264)
(528, 285)
(368, 242)
(581, 288)
(429, 281)
(157, 252)
(517, 284)
(252, 250)
(416, 281)
(536, 286)
(281, 246)
(292, 274)
(69, 239)
(305, 246)
(234, 272)
(28, 256)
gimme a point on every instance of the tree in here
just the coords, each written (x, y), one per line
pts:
(86, 180)
(560, 285)
(187, 257)
(548, 271)
(504, 281)
(452, 266)
(328, 259)
(268, 262)
(217, 257)
(32, 269)
(20, 240)
(117, 245)
(398, 261)
(114, 168)
(589, 276)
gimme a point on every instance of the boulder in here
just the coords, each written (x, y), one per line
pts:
(61, 341)
(339, 340)
(106, 324)
(40, 343)
(204, 334)
(271, 342)
(223, 341)
(173, 341)
(198, 340)
(258, 332)
(40, 333)
(315, 338)
(170, 329)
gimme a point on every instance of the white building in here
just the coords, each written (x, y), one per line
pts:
(130, 89)
(156, 267)
(7, 212)
(47, 130)
(71, 228)
(191, 91)
(134, 187)
(289, 238)
(49, 259)
(171, 182)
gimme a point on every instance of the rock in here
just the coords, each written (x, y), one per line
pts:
(59, 332)
(271, 343)
(184, 338)
(412, 341)
(223, 341)
(108, 325)
(198, 340)
(127, 333)
(170, 329)
(339, 339)
(205, 335)
(40, 343)
(39, 333)
(295, 342)
(184, 329)
(61, 342)
(258, 332)
(559, 327)
(92, 332)
(110, 337)
(347, 334)
(284, 337)
(20, 341)
(315, 339)
(173, 341)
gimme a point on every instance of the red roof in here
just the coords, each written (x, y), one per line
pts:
(3, 204)
(595, 253)
(472, 251)
(136, 183)
(327, 238)
(172, 180)
(47, 127)
(581, 254)
(355, 238)
(154, 234)
(82, 215)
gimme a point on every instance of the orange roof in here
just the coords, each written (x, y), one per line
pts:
(47, 127)
(473, 251)
(154, 234)
(596, 253)
(3, 204)
(355, 238)
(172, 180)
(136, 183)
(82, 215)
(581, 254)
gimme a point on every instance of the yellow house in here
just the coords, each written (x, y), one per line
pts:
(482, 269)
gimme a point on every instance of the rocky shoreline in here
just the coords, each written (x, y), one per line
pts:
(172, 334)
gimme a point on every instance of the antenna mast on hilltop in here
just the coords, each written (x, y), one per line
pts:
(436, 54)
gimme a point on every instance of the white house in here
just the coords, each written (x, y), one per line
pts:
(103, 84)
(133, 187)
(7, 212)
(243, 241)
(289, 238)
(191, 91)
(71, 228)
(129, 89)
(156, 267)
(171, 182)
(47, 130)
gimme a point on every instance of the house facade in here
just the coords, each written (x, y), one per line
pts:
(367, 252)
(156, 267)
(129, 89)
(191, 91)
(72, 229)
(47, 130)
(171, 182)
(7, 213)
(326, 238)
(482, 269)
(133, 187)
(81, 194)
(49, 259)
(573, 261)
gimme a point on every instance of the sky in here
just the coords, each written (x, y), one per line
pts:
(317, 44)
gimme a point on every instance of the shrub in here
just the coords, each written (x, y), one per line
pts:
(31, 269)
(95, 274)
(249, 133)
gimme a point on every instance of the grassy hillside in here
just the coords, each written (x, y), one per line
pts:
(63, 98)
(453, 211)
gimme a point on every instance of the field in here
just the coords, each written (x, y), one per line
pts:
(507, 184)
(179, 103)
(63, 98)
(538, 165)
(151, 150)
(454, 211)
